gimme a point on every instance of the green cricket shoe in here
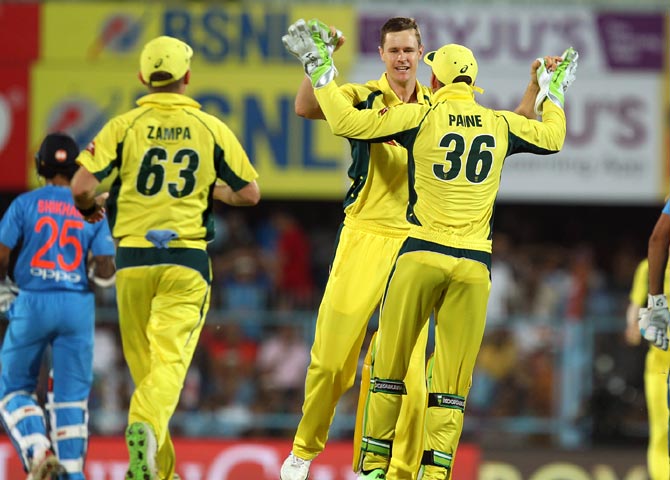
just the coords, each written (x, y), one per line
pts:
(376, 474)
(141, 443)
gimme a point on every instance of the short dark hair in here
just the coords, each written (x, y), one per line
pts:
(162, 76)
(463, 78)
(399, 24)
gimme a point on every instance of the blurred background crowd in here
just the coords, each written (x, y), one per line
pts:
(553, 368)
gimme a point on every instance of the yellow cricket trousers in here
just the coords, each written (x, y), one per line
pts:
(162, 309)
(359, 272)
(656, 368)
(454, 284)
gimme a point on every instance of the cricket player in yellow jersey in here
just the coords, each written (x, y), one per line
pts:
(368, 242)
(657, 364)
(373, 231)
(169, 156)
(456, 149)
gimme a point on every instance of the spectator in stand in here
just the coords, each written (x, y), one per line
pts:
(294, 275)
(231, 363)
(244, 289)
(282, 365)
(503, 284)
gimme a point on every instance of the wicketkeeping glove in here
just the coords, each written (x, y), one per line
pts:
(8, 292)
(319, 28)
(654, 320)
(554, 84)
(306, 43)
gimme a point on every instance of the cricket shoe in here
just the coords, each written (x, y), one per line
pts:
(141, 443)
(46, 468)
(376, 474)
(294, 468)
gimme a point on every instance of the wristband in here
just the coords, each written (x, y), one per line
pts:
(87, 212)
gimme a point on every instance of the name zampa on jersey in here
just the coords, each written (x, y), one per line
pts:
(168, 133)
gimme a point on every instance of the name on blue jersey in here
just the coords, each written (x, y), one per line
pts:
(58, 207)
(465, 120)
(168, 133)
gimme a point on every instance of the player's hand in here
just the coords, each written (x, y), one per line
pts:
(306, 42)
(331, 36)
(299, 42)
(549, 62)
(8, 293)
(99, 212)
(554, 83)
(654, 320)
(326, 72)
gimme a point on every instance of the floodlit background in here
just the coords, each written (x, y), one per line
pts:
(557, 393)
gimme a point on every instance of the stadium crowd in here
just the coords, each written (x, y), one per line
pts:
(248, 373)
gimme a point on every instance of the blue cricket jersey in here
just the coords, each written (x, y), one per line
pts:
(666, 208)
(55, 240)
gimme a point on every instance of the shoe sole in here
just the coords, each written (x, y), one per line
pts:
(137, 441)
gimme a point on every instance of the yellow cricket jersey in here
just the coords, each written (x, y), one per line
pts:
(456, 150)
(169, 155)
(378, 193)
(640, 287)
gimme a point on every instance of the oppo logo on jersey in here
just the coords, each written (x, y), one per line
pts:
(56, 275)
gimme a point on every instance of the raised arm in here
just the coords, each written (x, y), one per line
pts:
(548, 135)
(306, 104)
(527, 105)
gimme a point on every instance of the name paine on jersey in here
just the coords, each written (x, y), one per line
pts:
(55, 274)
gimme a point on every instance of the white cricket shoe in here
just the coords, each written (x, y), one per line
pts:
(294, 468)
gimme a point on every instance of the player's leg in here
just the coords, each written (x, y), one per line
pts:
(178, 314)
(71, 380)
(408, 443)
(167, 459)
(135, 289)
(355, 286)
(404, 314)
(363, 396)
(460, 318)
(429, 379)
(21, 355)
(407, 447)
(656, 393)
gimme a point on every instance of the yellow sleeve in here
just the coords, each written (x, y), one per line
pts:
(346, 121)
(536, 137)
(100, 156)
(350, 92)
(639, 289)
(233, 166)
